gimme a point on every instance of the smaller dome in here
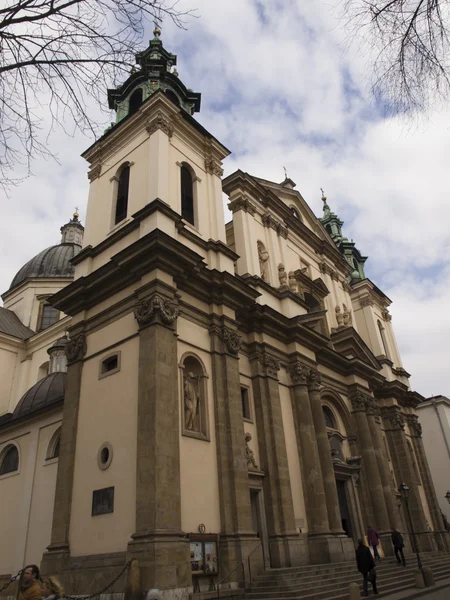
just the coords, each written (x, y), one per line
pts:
(44, 393)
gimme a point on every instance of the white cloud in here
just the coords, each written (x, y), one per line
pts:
(276, 92)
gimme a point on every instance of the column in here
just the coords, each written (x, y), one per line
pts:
(59, 551)
(401, 459)
(237, 538)
(360, 401)
(415, 429)
(313, 487)
(158, 543)
(284, 541)
(374, 420)
(323, 445)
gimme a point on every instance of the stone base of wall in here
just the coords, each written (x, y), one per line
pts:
(330, 548)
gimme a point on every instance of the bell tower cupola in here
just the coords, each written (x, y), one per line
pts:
(155, 70)
(353, 256)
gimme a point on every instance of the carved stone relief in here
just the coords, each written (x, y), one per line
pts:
(76, 348)
(156, 304)
(249, 454)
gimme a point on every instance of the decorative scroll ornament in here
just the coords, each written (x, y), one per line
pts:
(213, 167)
(314, 380)
(242, 203)
(249, 454)
(160, 122)
(414, 425)
(144, 311)
(299, 373)
(271, 364)
(232, 339)
(397, 421)
(359, 402)
(94, 172)
(76, 348)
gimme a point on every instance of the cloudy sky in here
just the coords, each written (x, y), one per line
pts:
(282, 86)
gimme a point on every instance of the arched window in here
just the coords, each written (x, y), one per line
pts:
(330, 421)
(328, 228)
(9, 460)
(383, 339)
(194, 400)
(54, 445)
(122, 195)
(295, 212)
(48, 316)
(187, 195)
(135, 101)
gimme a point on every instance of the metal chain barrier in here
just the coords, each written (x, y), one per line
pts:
(105, 589)
(12, 580)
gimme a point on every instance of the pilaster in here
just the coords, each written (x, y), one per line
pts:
(158, 543)
(58, 552)
(285, 545)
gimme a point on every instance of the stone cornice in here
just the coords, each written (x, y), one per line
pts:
(269, 221)
(155, 250)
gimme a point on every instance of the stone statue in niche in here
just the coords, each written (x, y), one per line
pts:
(191, 403)
(263, 256)
(339, 316)
(249, 454)
(347, 315)
(282, 275)
(293, 286)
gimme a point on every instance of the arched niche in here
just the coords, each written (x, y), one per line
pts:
(43, 370)
(135, 101)
(194, 400)
(54, 445)
(341, 435)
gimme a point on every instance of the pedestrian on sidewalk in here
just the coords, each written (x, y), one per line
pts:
(30, 586)
(374, 540)
(397, 542)
(366, 566)
(51, 589)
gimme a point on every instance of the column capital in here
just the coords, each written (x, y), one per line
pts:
(160, 122)
(314, 380)
(270, 364)
(299, 373)
(156, 307)
(395, 418)
(360, 401)
(76, 348)
(414, 425)
(230, 337)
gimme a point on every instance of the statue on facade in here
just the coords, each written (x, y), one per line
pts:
(191, 403)
(282, 275)
(249, 454)
(339, 316)
(293, 286)
(263, 256)
(347, 315)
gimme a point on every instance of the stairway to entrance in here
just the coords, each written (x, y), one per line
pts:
(331, 581)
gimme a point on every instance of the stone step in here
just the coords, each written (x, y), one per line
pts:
(324, 588)
(385, 571)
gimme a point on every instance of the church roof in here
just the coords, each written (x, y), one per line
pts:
(12, 325)
(44, 393)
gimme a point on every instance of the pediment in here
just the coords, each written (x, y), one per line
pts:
(350, 344)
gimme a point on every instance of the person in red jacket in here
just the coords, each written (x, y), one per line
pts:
(374, 540)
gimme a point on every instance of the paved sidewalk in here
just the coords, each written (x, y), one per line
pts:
(441, 591)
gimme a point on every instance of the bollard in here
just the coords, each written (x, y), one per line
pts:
(418, 578)
(428, 577)
(133, 586)
(354, 592)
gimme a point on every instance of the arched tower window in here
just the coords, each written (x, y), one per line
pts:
(170, 94)
(187, 195)
(135, 101)
(122, 195)
(295, 212)
(328, 416)
(383, 339)
(9, 460)
(194, 398)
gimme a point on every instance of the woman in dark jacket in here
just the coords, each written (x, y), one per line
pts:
(366, 565)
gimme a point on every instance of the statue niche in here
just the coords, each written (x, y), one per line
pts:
(193, 394)
(263, 257)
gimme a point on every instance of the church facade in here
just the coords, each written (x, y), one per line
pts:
(187, 391)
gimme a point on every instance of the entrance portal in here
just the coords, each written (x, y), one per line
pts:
(343, 507)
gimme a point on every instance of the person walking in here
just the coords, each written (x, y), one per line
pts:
(51, 589)
(366, 566)
(30, 586)
(374, 540)
(397, 542)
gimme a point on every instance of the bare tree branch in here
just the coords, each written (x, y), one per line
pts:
(412, 41)
(58, 55)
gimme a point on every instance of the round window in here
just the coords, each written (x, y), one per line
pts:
(104, 456)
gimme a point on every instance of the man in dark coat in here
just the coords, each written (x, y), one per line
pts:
(366, 564)
(397, 542)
